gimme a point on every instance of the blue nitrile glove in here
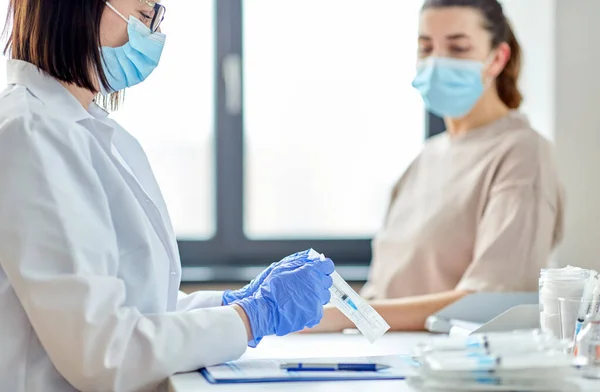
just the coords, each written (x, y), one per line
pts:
(291, 262)
(289, 300)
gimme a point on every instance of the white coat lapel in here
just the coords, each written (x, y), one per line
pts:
(104, 134)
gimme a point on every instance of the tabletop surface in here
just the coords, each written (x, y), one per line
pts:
(322, 345)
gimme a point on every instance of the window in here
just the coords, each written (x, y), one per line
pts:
(315, 121)
(330, 118)
(171, 114)
(278, 125)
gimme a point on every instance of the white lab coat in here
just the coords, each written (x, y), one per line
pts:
(89, 267)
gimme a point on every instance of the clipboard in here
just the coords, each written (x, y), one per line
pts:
(269, 370)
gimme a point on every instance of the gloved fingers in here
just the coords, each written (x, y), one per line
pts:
(325, 296)
(313, 323)
(327, 281)
(292, 262)
(270, 267)
(289, 266)
(317, 319)
(254, 283)
(325, 266)
(298, 255)
(260, 316)
(257, 281)
(228, 297)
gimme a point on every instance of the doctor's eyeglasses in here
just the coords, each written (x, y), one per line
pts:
(157, 15)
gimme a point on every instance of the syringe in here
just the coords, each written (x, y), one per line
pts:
(344, 297)
(353, 306)
(367, 320)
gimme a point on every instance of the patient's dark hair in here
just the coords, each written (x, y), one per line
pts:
(501, 30)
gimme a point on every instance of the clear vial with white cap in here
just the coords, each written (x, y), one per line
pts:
(568, 281)
(587, 348)
(555, 284)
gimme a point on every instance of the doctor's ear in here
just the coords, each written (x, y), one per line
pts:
(500, 58)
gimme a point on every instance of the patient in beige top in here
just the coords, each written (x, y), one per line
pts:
(480, 208)
(474, 212)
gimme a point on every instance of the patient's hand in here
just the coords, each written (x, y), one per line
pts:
(333, 321)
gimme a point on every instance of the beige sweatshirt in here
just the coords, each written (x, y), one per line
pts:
(481, 211)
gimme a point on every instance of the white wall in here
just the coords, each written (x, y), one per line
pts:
(537, 41)
(561, 83)
(578, 126)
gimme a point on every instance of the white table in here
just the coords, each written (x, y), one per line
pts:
(327, 345)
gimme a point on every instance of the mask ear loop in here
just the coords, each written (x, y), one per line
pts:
(488, 61)
(117, 12)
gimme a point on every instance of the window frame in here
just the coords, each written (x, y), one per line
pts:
(229, 256)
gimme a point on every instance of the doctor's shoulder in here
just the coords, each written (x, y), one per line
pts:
(25, 122)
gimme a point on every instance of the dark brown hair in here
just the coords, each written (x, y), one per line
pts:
(501, 30)
(61, 37)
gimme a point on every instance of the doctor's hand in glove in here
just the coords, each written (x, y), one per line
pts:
(289, 299)
(290, 262)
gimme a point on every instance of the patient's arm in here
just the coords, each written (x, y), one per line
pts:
(402, 314)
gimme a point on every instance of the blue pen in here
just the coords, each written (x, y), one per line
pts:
(332, 367)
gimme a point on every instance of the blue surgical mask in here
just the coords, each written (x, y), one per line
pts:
(449, 87)
(133, 62)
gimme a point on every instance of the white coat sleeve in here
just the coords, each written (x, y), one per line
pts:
(199, 300)
(58, 250)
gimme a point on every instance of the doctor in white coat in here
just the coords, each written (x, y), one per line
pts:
(89, 267)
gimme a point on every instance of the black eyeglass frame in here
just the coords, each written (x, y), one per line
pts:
(159, 14)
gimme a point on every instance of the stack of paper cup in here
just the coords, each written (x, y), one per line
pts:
(560, 283)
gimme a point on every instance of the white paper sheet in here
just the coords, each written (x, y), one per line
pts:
(270, 369)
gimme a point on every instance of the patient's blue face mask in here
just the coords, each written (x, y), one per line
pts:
(449, 87)
(133, 62)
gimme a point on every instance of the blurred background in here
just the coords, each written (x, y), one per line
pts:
(278, 125)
